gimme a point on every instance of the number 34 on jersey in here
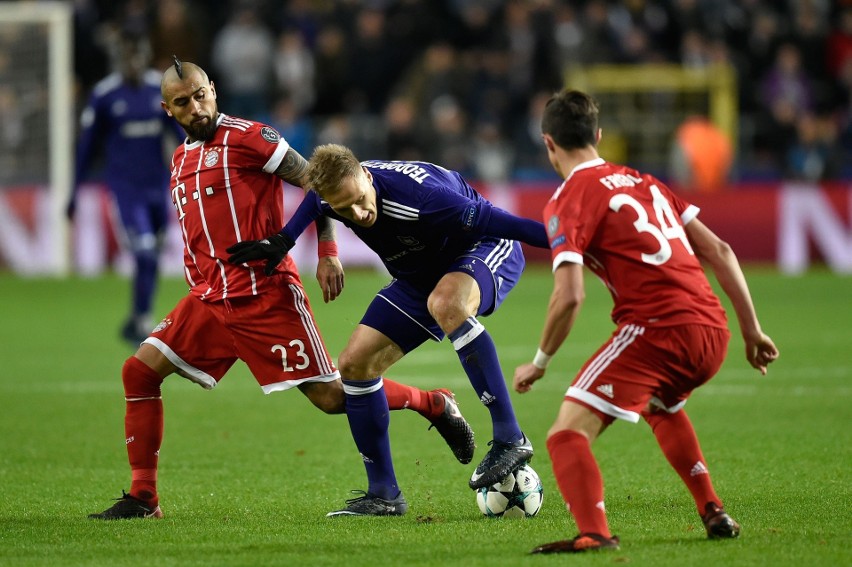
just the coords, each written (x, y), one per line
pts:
(666, 228)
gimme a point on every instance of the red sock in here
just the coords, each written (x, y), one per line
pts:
(677, 439)
(143, 427)
(579, 480)
(428, 404)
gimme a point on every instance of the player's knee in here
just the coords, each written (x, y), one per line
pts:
(355, 366)
(350, 365)
(447, 310)
(140, 381)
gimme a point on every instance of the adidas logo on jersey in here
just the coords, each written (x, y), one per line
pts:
(698, 469)
(486, 398)
(606, 390)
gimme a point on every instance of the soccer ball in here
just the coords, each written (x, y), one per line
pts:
(519, 495)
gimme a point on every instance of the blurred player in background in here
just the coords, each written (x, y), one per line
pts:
(645, 244)
(123, 121)
(226, 187)
(453, 257)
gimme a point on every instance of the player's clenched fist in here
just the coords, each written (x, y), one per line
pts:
(272, 249)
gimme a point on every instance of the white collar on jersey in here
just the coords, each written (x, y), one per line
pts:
(587, 164)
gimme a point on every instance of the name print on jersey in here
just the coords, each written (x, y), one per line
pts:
(617, 180)
(412, 170)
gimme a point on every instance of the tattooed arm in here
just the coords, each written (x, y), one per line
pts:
(292, 168)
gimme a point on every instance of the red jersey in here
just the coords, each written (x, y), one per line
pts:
(627, 227)
(225, 191)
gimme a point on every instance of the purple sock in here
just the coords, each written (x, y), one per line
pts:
(369, 417)
(478, 357)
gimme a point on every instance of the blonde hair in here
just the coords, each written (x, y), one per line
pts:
(329, 165)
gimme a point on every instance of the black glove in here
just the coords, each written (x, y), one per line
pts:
(272, 249)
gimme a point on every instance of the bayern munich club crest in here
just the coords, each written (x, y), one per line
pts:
(270, 135)
(212, 157)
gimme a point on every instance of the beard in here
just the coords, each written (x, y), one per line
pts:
(203, 131)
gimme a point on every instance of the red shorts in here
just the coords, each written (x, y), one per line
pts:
(642, 365)
(273, 333)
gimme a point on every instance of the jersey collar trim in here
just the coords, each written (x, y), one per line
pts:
(587, 164)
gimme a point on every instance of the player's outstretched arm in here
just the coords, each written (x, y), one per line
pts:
(562, 310)
(503, 224)
(760, 350)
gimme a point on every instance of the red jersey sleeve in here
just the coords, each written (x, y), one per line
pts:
(572, 217)
(260, 147)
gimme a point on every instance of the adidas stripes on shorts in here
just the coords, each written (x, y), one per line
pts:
(641, 365)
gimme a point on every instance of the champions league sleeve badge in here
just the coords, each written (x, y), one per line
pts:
(553, 226)
(270, 135)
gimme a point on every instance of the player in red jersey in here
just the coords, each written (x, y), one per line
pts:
(226, 188)
(645, 244)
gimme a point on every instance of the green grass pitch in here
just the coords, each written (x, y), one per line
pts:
(246, 479)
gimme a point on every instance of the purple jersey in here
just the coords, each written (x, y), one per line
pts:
(128, 124)
(430, 222)
(427, 216)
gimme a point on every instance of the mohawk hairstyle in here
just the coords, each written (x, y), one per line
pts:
(178, 66)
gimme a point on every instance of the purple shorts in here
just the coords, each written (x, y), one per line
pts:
(399, 310)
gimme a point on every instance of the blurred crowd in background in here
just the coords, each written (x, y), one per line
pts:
(462, 82)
